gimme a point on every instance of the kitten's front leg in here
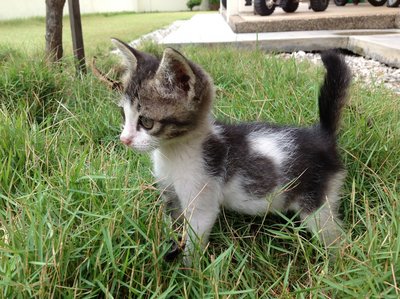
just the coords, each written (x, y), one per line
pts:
(173, 215)
(172, 205)
(198, 225)
(200, 211)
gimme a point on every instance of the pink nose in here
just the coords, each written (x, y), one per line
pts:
(125, 140)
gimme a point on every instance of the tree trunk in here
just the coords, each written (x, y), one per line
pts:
(54, 15)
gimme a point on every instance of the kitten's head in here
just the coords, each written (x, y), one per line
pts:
(163, 99)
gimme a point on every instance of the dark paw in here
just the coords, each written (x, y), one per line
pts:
(175, 250)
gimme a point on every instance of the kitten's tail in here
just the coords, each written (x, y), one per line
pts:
(333, 92)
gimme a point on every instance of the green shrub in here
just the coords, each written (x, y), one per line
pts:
(192, 3)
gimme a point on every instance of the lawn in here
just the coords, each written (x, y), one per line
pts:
(97, 30)
(80, 215)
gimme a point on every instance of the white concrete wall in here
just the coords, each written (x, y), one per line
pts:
(167, 5)
(93, 6)
(21, 8)
(12, 9)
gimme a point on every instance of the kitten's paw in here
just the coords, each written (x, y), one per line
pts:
(174, 252)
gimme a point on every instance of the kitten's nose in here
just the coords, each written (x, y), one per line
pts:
(125, 140)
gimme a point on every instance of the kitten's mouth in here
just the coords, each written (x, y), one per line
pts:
(137, 147)
(142, 148)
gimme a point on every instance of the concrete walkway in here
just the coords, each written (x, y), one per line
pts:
(209, 29)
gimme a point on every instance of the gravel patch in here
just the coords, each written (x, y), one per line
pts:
(367, 71)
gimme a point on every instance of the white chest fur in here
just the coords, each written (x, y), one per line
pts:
(183, 169)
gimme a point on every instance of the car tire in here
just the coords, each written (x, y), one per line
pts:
(289, 5)
(340, 2)
(393, 3)
(319, 5)
(264, 7)
(377, 2)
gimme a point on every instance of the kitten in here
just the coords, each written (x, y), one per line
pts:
(203, 165)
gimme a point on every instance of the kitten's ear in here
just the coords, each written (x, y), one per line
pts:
(174, 71)
(130, 55)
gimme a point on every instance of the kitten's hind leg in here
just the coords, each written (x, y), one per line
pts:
(324, 222)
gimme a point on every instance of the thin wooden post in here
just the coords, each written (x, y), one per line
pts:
(77, 37)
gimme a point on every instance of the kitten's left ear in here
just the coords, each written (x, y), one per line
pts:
(132, 57)
(174, 71)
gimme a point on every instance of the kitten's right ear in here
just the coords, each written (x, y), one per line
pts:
(131, 56)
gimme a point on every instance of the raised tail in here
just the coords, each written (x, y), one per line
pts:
(333, 92)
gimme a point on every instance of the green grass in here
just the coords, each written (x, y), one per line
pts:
(80, 215)
(97, 30)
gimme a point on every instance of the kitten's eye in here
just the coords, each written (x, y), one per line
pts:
(146, 123)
